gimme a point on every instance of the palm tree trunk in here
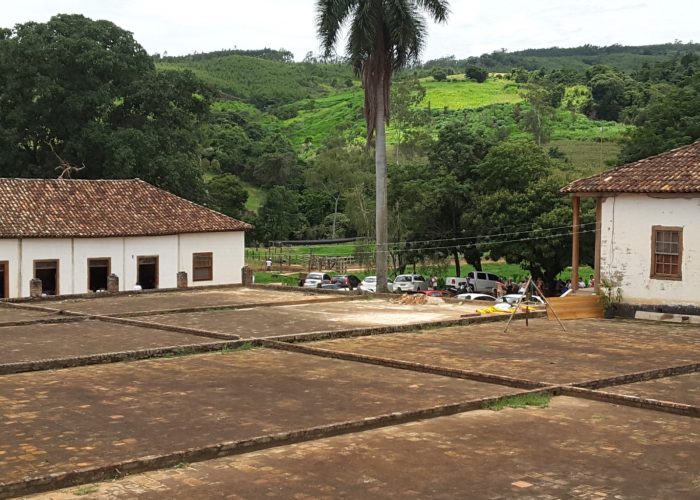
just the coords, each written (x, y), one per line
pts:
(380, 170)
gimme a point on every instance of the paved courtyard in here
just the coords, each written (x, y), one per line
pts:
(368, 414)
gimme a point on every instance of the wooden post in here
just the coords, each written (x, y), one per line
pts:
(576, 206)
(598, 238)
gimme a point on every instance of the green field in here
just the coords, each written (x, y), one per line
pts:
(458, 93)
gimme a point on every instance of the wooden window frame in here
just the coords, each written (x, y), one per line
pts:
(57, 292)
(653, 274)
(109, 268)
(211, 267)
(5, 284)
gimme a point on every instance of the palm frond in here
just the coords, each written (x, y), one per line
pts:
(437, 9)
(331, 16)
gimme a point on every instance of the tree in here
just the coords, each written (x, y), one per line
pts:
(87, 92)
(576, 99)
(383, 38)
(279, 218)
(475, 73)
(227, 195)
(536, 118)
(405, 96)
(439, 74)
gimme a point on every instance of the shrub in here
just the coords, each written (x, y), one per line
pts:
(476, 73)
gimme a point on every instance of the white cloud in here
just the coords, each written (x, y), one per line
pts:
(474, 27)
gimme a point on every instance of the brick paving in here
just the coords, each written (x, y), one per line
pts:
(60, 420)
(179, 300)
(573, 449)
(590, 349)
(80, 338)
(680, 389)
(11, 314)
(285, 320)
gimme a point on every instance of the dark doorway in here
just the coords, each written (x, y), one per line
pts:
(4, 281)
(147, 272)
(47, 272)
(98, 270)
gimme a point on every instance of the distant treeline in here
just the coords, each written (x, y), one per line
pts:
(623, 57)
(280, 55)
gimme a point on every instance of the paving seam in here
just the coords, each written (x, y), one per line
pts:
(231, 307)
(45, 321)
(634, 401)
(405, 328)
(54, 481)
(30, 307)
(407, 365)
(159, 326)
(643, 376)
(120, 356)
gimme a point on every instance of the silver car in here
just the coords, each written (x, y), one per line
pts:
(410, 283)
(315, 280)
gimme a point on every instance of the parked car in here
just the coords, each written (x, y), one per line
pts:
(315, 280)
(369, 284)
(513, 298)
(346, 280)
(410, 283)
(475, 296)
(481, 282)
(339, 287)
(455, 282)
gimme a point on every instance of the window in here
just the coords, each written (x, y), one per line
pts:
(202, 266)
(666, 252)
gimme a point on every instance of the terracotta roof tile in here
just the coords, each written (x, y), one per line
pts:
(675, 171)
(38, 208)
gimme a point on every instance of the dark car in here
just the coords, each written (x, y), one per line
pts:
(346, 280)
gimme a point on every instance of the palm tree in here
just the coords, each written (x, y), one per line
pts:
(383, 37)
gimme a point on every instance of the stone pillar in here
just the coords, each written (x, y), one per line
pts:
(247, 275)
(182, 279)
(35, 288)
(112, 283)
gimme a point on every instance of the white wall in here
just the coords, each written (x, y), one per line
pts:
(9, 251)
(229, 255)
(174, 254)
(626, 233)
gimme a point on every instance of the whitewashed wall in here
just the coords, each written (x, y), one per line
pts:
(626, 233)
(174, 254)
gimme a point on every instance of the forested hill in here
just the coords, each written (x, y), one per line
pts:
(622, 57)
(261, 79)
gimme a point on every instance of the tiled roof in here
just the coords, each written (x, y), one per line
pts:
(675, 171)
(37, 208)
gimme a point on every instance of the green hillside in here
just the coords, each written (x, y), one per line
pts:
(264, 82)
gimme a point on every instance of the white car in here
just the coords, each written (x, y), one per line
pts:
(410, 283)
(369, 284)
(315, 280)
(475, 296)
(513, 298)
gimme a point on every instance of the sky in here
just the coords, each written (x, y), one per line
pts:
(474, 27)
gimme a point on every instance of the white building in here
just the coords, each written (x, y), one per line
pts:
(648, 231)
(72, 234)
